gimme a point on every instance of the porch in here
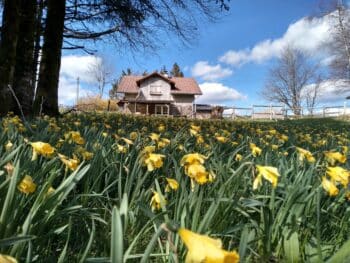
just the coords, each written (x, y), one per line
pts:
(149, 107)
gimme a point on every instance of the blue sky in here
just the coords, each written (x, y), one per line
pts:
(229, 58)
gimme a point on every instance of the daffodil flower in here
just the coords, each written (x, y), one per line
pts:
(334, 157)
(203, 249)
(156, 201)
(41, 148)
(270, 173)
(192, 158)
(172, 185)
(7, 259)
(256, 151)
(305, 154)
(339, 174)
(154, 161)
(72, 164)
(27, 185)
(329, 187)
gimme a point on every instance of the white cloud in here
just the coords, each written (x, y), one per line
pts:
(308, 35)
(334, 91)
(207, 72)
(78, 66)
(217, 94)
(330, 92)
(73, 67)
(67, 91)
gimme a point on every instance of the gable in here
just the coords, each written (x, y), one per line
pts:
(129, 84)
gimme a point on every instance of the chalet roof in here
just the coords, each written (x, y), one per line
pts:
(130, 84)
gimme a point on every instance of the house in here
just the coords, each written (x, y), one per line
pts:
(158, 94)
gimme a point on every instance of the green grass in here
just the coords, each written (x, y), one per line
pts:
(101, 212)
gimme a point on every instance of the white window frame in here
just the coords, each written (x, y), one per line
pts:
(164, 109)
(155, 89)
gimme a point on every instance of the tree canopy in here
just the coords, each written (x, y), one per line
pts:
(33, 27)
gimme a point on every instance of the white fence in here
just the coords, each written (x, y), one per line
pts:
(275, 112)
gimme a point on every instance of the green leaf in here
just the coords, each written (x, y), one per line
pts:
(342, 255)
(116, 237)
(291, 248)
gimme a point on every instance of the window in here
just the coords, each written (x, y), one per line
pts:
(156, 90)
(161, 109)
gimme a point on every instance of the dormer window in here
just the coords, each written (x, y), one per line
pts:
(155, 89)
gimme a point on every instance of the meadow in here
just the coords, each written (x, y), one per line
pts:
(115, 188)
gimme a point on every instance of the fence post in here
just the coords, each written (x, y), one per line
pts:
(233, 115)
(344, 108)
(324, 112)
(270, 111)
(252, 111)
(285, 112)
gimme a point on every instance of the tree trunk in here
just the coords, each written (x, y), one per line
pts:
(46, 98)
(9, 34)
(23, 81)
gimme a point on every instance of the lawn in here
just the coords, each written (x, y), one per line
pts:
(115, 188)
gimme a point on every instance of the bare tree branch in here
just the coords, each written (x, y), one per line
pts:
(288, 78)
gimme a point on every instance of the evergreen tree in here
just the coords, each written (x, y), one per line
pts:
(176, 71)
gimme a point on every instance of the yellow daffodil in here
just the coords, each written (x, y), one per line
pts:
(72, 164)
(339, 174)
(284, 138)
(161, 128)
(127, 141)
(163, 142)
(274, 147)
(121, 148)
(193, 158)
(75, 137)
(270, 173)
(50, 191)
(221, 139)
(154, 136)
(8, 146)
(41, 148)
(334, 157)
(345, 149)
(172, 185)
(305, 154)
(154, 161)
(234, 143)
(87, 155)
(194, 130)
(272, 132)
(199, 139)
(203, 249)
(133, 135)
(211, 176)
(329, 187)
(7, 259)
(198, 173)
(256, 151)
(157, 201)
(148, 149)
(27, 185)
(238, 157)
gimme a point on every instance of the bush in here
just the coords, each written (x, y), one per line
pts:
(96, 103)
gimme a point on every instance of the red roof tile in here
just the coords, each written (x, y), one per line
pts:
(128, 84)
